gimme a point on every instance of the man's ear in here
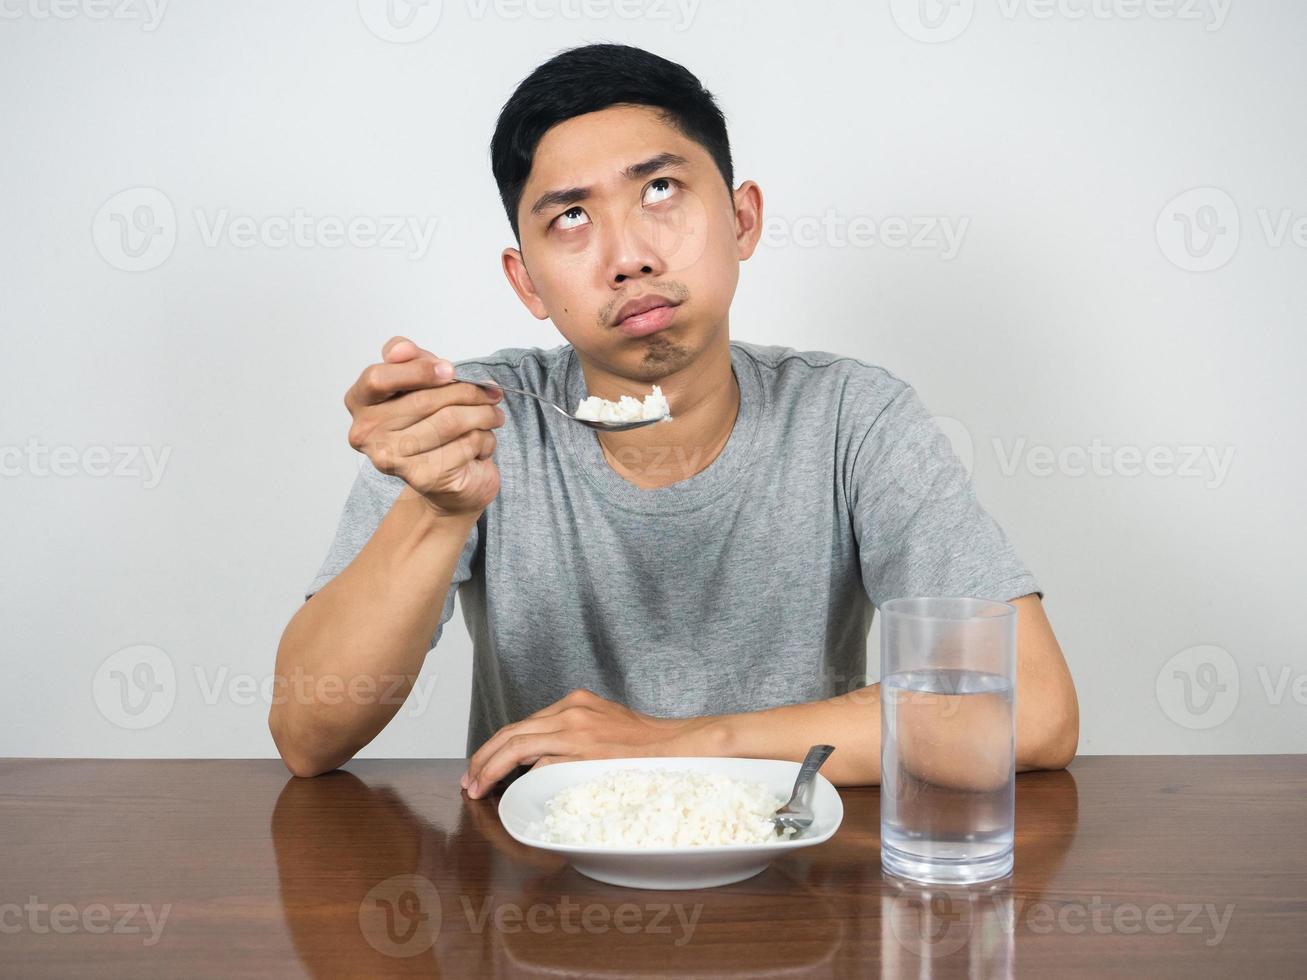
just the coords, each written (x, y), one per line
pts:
(520, 280)
(748, 218)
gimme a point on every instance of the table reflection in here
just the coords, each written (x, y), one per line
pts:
(375, 881)
(954, 930)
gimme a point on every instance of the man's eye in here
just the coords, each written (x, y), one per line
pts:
(570, 218)
(661, 187)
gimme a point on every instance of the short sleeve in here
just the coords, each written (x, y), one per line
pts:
(369, 500)
(920, 527)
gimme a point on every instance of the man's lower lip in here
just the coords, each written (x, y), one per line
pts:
(648, 322)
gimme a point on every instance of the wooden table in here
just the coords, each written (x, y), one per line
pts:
(1139, 866)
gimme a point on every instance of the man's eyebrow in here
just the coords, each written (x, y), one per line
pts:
(636, 171)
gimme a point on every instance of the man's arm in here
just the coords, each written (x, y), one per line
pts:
(586, 726)
(1048, 717)
(351, 654)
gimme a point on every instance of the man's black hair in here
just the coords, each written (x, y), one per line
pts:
(587, 79)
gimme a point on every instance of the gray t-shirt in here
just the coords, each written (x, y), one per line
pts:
(749, 585)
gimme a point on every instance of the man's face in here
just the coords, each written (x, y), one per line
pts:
(620, 206)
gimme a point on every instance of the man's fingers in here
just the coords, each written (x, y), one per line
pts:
(433, 470)
(415, 406)
(430, 470)
(513, 752)
(399, 349)
(497, 741)
(379, 382)
(548, 711)
(445, 426)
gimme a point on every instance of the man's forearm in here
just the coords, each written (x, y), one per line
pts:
(351, 654)
(851, 722)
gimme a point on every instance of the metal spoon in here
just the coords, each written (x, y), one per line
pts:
(592, 423)
(797, 813)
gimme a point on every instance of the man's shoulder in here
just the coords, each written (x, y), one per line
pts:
(822, 380)
(530, 368)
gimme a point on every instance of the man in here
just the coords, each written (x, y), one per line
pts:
(702, 586)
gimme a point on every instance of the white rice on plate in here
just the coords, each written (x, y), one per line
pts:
(660, 808)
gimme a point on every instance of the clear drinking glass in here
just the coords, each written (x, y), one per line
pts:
(948, 738)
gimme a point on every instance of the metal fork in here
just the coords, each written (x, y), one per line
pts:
(797, 813)
(592, 423)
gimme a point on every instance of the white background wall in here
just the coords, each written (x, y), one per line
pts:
(1073, 311)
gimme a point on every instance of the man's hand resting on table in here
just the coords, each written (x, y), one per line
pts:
(582, 725)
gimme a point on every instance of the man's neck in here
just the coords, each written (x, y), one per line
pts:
(704, 398)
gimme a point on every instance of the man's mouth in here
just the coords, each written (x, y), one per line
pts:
(645, 315)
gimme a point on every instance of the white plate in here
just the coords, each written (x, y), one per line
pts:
(701, 866)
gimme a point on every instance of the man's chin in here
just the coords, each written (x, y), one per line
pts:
(658, 356)
(646, 360)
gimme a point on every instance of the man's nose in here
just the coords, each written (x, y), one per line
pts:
(632, 253)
